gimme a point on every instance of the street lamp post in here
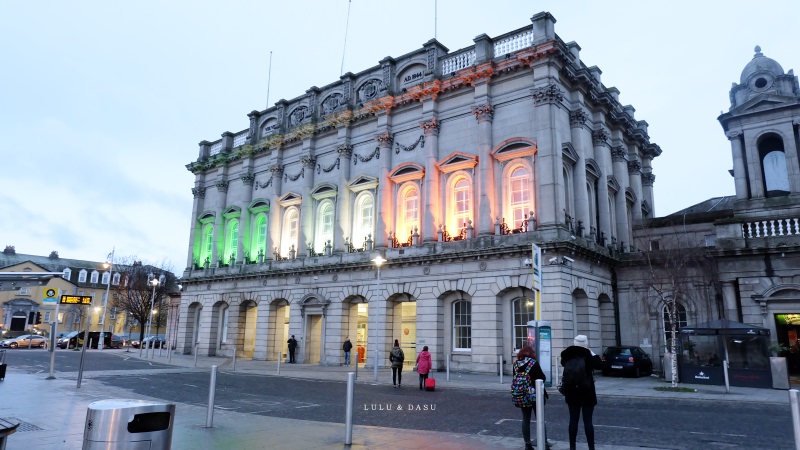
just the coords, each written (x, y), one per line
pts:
(154, 282)
(378, 260)
(110, 265)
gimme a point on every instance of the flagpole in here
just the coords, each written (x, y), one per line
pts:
(105, 300)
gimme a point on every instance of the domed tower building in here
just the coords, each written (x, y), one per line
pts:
(758, 248)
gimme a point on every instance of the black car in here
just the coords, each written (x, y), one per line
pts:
(627, 360)
(118, 341)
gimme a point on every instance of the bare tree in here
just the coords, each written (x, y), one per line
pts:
(134, 295)
(679, 269)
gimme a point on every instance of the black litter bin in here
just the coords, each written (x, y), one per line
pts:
(124, 424)
(7, 427)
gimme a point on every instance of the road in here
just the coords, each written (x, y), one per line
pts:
(679, 424)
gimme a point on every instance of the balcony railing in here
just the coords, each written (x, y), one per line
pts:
(771, 228)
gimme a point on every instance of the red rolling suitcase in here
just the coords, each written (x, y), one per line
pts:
(430, 384)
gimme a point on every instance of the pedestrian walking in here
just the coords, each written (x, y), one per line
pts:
(526, 371)
(423, 366)
(396, 357)
(577, 385)
(292, 346)
(347, 346)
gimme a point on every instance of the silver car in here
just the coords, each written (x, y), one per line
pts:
(26, 340)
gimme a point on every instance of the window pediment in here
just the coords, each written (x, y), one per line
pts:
(259, 205)
(457, 161)
(325, 190)
(569, 153)
(290, 199)
(407, 172)
(232, 212)
(363, 182)
(592, 169)
(613, 185)
(207, 217)
(516, 148)
(630, 196)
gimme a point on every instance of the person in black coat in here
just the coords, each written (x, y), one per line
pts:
(292, 346)
(582, 403)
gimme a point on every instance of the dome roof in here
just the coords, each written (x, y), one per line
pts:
(760, 63)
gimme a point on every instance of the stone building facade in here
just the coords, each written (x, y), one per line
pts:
(449, 165)
(750, 241)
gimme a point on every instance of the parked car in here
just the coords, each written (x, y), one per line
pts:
(118, 341)
(69, 340)
(156, 341)
(24, 341)
(628, 360)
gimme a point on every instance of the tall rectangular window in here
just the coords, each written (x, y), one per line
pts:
(462, 325)
(523, 312)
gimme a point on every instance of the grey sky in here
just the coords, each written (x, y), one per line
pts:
(102, 104)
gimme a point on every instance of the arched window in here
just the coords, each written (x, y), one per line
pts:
(522, 312)
(460, 206)
(773, 164)
(206, 253)
(680, 320)
(291, 231)
(67, 274)
(259, 246)
(224, 325)
(324, 225)
(408, 219)
(519, 195)
(82, 276)
(590, 192)
(364, 221)
(462, 325)
(106, 278)
(568, 193)
(95, 276)
(232, 238)
(115, 279)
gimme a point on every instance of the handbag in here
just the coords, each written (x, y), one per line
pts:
(416, 366)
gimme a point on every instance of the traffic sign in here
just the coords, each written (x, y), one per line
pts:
(50, 295)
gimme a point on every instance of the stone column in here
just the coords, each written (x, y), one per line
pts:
(620, 165)
(549, 168)
(306, 237)
(739, 174)
(275, 225)
(244, 221)
(344, 219)
(195, 246)
(577, 121)
(484, 184)
(432, 211)
(601, 154)
(384, 206)
(635, 180)
(218, 246)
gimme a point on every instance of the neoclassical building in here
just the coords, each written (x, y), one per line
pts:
(449, 165)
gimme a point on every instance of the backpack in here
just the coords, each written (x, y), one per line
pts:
(523, 393)
(575, 381)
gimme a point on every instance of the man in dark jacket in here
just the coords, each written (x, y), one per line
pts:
(347, 346)
(584, 401)
(292, 346)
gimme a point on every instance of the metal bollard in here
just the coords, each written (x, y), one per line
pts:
(794, 402)
(279, 362)
(212, 386)
(356, 366)
(196, 344)
(541, 437)
(351, 383)
(500, 364)
(234, 360)
(448, 367)
(727, 382)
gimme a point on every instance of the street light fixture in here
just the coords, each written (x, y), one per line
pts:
(378, 261)
(154, 282)
(110, 265)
